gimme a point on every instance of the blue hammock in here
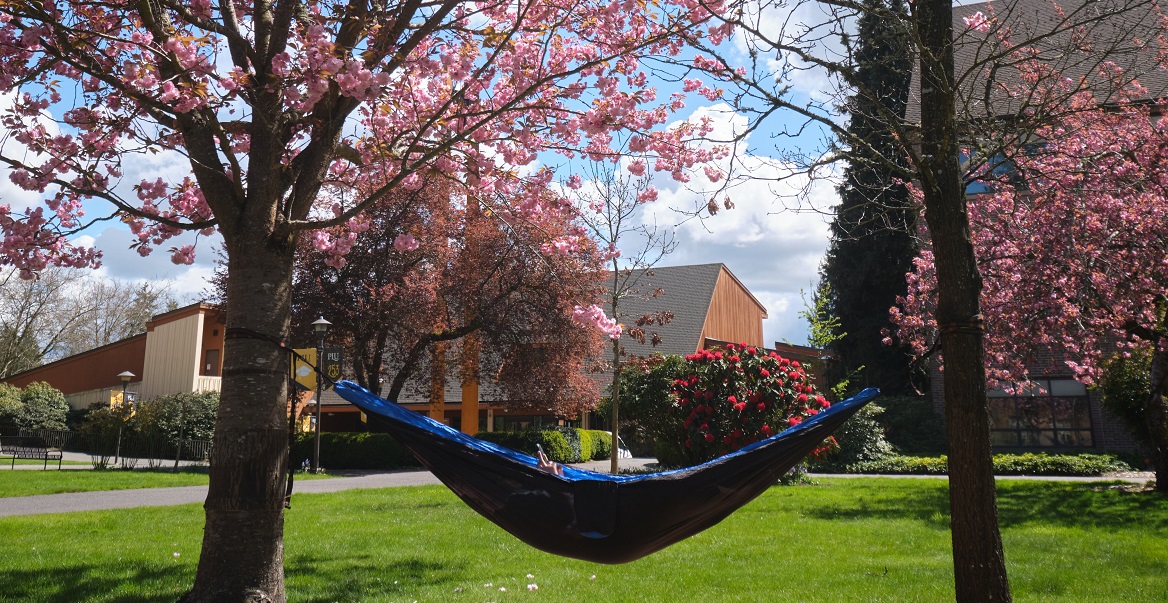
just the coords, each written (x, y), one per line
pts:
(598, 516)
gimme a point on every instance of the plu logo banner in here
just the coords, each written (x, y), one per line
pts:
(330, 366)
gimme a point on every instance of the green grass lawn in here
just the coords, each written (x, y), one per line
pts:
(836, 541)
(29, 483)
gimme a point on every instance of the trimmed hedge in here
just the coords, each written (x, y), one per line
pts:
(1089, 465)
(362, 450)
(601, 443)
(561, 444)
(555, 445)
(355, 450)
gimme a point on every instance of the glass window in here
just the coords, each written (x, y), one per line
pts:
(1067, 387)
(1049, 413)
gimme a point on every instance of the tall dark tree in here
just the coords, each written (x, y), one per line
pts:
(872, 235)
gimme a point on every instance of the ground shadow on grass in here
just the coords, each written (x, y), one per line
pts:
(1064, 504)
(918, 500)
(79, 583)
(319, 579)
(1073, 504)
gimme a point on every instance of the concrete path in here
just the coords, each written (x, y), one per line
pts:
(161, 497)
(1135, 478)
(181, 495)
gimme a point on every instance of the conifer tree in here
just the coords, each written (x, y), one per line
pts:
(872, 235)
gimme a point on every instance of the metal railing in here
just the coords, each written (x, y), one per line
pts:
(155, 449)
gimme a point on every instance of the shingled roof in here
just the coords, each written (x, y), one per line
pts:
(1124, 32)
(685, 291)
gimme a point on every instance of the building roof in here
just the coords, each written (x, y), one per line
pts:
(1124, 32)
(685, 291)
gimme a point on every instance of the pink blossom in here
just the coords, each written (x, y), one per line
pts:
(594, 316)
(1068, 250)
(405, 242)
(183, 255)
(978, 22)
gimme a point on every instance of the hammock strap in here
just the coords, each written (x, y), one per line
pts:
(245, 333)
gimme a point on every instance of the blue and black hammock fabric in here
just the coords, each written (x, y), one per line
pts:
(598, 516)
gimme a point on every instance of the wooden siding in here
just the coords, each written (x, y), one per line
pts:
(172, 357)
(92, 370)
(734, 314)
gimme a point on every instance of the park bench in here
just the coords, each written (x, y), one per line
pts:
(29, 447)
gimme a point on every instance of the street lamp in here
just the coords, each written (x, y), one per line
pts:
(320, 327)
(125, 376)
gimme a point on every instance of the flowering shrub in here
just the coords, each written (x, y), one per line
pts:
(734, 396)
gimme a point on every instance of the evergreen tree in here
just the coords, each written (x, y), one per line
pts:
(872, 242)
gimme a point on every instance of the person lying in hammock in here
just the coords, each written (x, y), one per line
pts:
(548, 465)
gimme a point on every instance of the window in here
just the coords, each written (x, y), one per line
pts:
(1053, 413)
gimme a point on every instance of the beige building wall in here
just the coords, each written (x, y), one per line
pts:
(172, 357)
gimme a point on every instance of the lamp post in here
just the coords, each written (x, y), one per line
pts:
(320, 327)
(125, 376)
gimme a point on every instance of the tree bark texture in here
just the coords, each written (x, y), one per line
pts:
(615, 397)
(242, 556)
(1156, 414)
(978, 561)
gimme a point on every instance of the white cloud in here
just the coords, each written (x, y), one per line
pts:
(773, 239)
(186, 283)
(15, 197)
(811, 26)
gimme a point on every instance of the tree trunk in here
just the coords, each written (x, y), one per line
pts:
(978, 561)
(1156, 414)
(615, 398)
(614, 391)
(242, 557)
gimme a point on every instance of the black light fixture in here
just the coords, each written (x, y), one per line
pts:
(125, 376)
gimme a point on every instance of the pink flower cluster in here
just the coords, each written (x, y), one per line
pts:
(977, 22)
(593, 316)
(478, 104)
(405, 242)
(1073, 251)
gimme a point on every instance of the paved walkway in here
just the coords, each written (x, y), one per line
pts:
(161, 497)
(158, 497)
(181, 495)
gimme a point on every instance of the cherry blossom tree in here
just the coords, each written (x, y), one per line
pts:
(1073, 247)
(278, 110)
(424, 274)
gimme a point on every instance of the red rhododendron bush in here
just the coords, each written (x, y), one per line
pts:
(734, 396)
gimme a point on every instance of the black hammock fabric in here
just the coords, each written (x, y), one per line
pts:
(598, 516)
